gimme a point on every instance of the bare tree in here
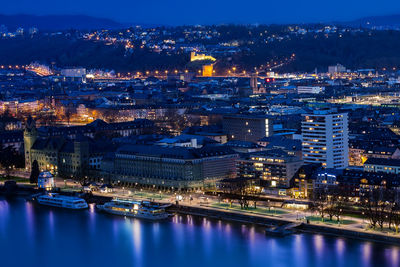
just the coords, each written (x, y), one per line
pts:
(319, 200)
(375, 206)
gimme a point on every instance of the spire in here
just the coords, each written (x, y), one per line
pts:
(30, 123)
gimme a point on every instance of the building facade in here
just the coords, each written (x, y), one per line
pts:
(172, 168)
(247, 127)
(325, 138)
(72, 151)
(275, 169)
(310, 89)
(383, 165)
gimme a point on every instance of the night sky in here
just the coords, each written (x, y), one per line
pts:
(173, 12)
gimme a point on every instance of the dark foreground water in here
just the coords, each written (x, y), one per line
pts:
(32, 235)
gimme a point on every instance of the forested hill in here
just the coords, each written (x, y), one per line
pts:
(365, 49)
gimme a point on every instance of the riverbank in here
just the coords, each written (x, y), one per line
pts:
(262, 220)
(267, 221)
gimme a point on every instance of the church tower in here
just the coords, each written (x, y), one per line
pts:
(30, 136)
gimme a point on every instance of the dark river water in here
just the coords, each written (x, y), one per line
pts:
(32, 235)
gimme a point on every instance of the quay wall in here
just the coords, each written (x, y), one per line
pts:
(266, 221)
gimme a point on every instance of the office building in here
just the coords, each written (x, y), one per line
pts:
(325, 138)
(247, 127)
(169, 167)
(275, 168)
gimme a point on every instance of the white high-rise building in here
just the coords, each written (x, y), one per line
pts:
(325, 138)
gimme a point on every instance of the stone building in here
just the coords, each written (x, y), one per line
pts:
(71, 151)
(169, 167)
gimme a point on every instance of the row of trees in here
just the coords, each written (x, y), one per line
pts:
(379, 205)
(243, 190)
(382, 206)
(330, 202)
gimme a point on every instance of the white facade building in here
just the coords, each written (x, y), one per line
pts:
(325, 138)
(310, 89)
(338, 68)
(46, 180)
(74, 74)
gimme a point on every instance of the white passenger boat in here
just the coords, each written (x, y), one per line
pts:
(136, 209)
(62, 201)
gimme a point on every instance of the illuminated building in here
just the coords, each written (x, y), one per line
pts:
(198, 57)
(382, 165)
(338, 68)
(46, 180)
(310, 89)
(325, 138)
(257, 89)
(74, 74)
(207, 70)
(304, 180)
(275, 168)
(359, 153)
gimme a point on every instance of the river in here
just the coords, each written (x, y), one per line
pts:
(33, 235)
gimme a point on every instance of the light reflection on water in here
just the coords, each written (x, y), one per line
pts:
(366, 251)
(137, 241)
(88, 238)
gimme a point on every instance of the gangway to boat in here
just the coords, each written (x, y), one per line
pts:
(283, 230)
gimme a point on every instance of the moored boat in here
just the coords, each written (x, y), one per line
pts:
(136, 209)
(61, 201)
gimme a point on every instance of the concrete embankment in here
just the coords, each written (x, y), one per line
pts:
(265, 221)
(228, 215)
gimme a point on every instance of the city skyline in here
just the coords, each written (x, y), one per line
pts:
(232, 133)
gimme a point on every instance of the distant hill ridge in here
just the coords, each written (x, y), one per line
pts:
(375, 21)
(58, 22)
(83, 22)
